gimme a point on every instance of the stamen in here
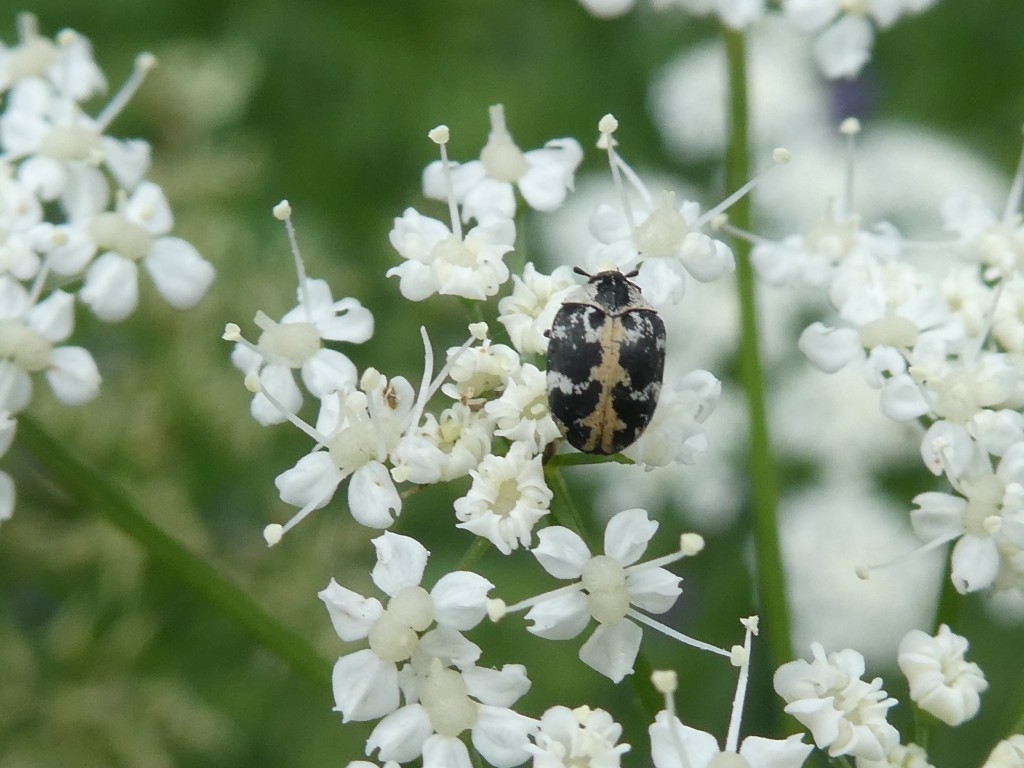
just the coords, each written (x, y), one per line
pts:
(849, 128)
(529, 602)
(440, 136)
(144, 63)
(283, 212)
(253, 384)
(666, 682)
(607, 126)
(733, 735)
(864, 571)
(679, 636)
(297, 518)
(780, 156)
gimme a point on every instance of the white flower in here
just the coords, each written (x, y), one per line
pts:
(577, 738)
(527, 313)
(440, 261)
(483, 188)
(28, 335)
(901, 756)
(842, 712)
(21, 222)
(521, 412)
(699, 749)
(990, 511)
(941, 681)
(366, 683)
(445, 703)
(445, 447)
(507, 498)
(44, 127)
(997, 243)
(135, 233)
(676, 432)
(606, 587)
(479, 370)
(296, 342)
(356, 431)
(846, 30)
(664, 241)
(1008, 753)
(736, 14)
(68, 64)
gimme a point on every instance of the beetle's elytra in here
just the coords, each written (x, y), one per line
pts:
(606, 357)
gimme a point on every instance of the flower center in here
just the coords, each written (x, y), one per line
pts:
(391, 639)
(984, 496)
(506, 498)
(728, 760)
(31, 58)
(414, 607)
(604, 579)
(890, 331)
(67, 143)
(455, 251)
(289, 343)
(114, 232)
(502, 159)
(661, 233)
(445, 698)
(24, 346)
(956, 396)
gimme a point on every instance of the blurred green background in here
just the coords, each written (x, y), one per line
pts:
(106, 660)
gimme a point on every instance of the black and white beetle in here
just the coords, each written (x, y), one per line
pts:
(606, 356)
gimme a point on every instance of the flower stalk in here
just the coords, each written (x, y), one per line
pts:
(763, 480)
(92, 491)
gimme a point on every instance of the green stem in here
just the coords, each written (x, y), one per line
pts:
(947, 611)
(764, 483)
(93, 491)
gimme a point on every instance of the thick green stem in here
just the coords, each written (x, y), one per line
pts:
(91, 490)
(762, 471)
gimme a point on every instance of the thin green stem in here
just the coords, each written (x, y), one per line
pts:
(947, 610)
(762, 471)
(91, 490)
(566, 512)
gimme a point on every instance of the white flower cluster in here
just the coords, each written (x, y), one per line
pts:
(844, 29)
(419, 675)
(381, 434)
(936, 328)
(848, 716)
(75, 210)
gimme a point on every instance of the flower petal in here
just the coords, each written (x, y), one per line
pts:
(612, 649)
(365, 687)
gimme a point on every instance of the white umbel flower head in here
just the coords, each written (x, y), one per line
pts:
(577, 738)
(941, 681)
(843, 713)
(507, 498)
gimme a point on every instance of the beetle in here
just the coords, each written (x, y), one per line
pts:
(606, 358)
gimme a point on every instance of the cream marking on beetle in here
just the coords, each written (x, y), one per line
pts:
(604, 422)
